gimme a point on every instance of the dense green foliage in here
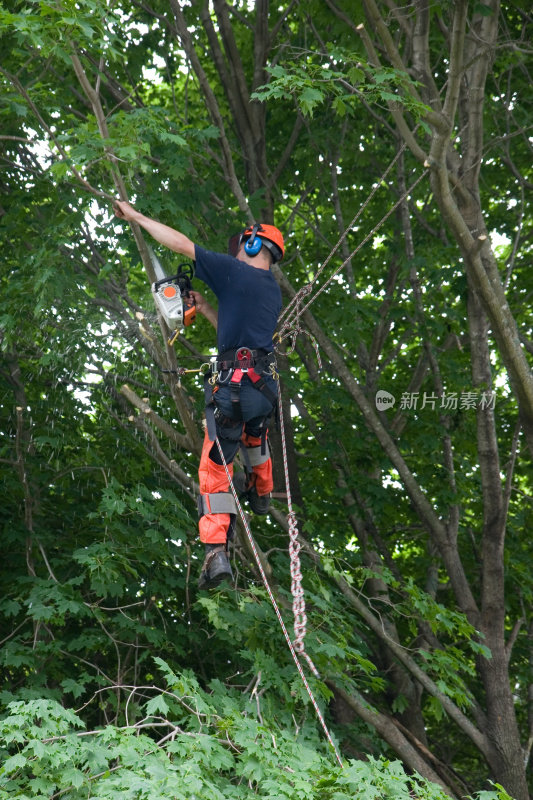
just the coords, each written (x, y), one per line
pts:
(119, 679)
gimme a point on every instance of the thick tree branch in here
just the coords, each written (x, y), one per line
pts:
(455, 76)
(420, 48)
(185, 38)
(420, 501)
(180, 441)
(394, 737)
(402, 654)
(483, 31)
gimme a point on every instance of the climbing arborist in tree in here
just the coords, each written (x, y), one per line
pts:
(242, 392)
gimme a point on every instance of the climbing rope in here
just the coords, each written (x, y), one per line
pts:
(298, 597)
(309, 286)
(295, 309)
(364, 241)
(292, 647)
(291, 328)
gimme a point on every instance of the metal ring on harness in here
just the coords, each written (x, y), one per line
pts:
(220, 377)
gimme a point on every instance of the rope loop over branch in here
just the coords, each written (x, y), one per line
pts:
(290, 316)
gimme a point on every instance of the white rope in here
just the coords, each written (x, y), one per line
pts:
(276, 607)
(297, 591)
(292, 313)
(308, 287)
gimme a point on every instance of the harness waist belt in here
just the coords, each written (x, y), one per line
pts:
(237, 363)
(244, 358)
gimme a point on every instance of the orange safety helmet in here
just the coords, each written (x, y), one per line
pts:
(258, 235)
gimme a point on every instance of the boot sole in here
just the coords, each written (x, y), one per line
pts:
(216, 580)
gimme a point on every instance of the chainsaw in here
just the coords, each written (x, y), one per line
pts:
(172, 296)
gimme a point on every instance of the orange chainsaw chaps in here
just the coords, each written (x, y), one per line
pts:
(261, 473)
(212, 478)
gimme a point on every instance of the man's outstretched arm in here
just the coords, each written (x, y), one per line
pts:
(163, 234)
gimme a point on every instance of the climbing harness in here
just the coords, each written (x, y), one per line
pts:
(229, 368)
(227, 371)
(297, 647)
(234, 364)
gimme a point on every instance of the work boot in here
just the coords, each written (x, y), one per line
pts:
(239, 482)
(259, 503)
(216, 567)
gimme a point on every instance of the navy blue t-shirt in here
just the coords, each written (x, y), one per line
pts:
(249, 300)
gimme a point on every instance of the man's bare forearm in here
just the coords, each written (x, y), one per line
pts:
(167, 236)
(204, 308)
(211, 314)
(163, 234)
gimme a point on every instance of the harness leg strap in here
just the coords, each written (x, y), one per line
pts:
(209, 409)
(256, 454)
(260, 472)
(216, 505)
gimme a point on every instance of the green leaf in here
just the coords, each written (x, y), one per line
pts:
(157, 705)
(13, 764)
(309, 99)
(73, 777)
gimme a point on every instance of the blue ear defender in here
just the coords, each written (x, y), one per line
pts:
(254, 243)
(253, 246)
(270, 236)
